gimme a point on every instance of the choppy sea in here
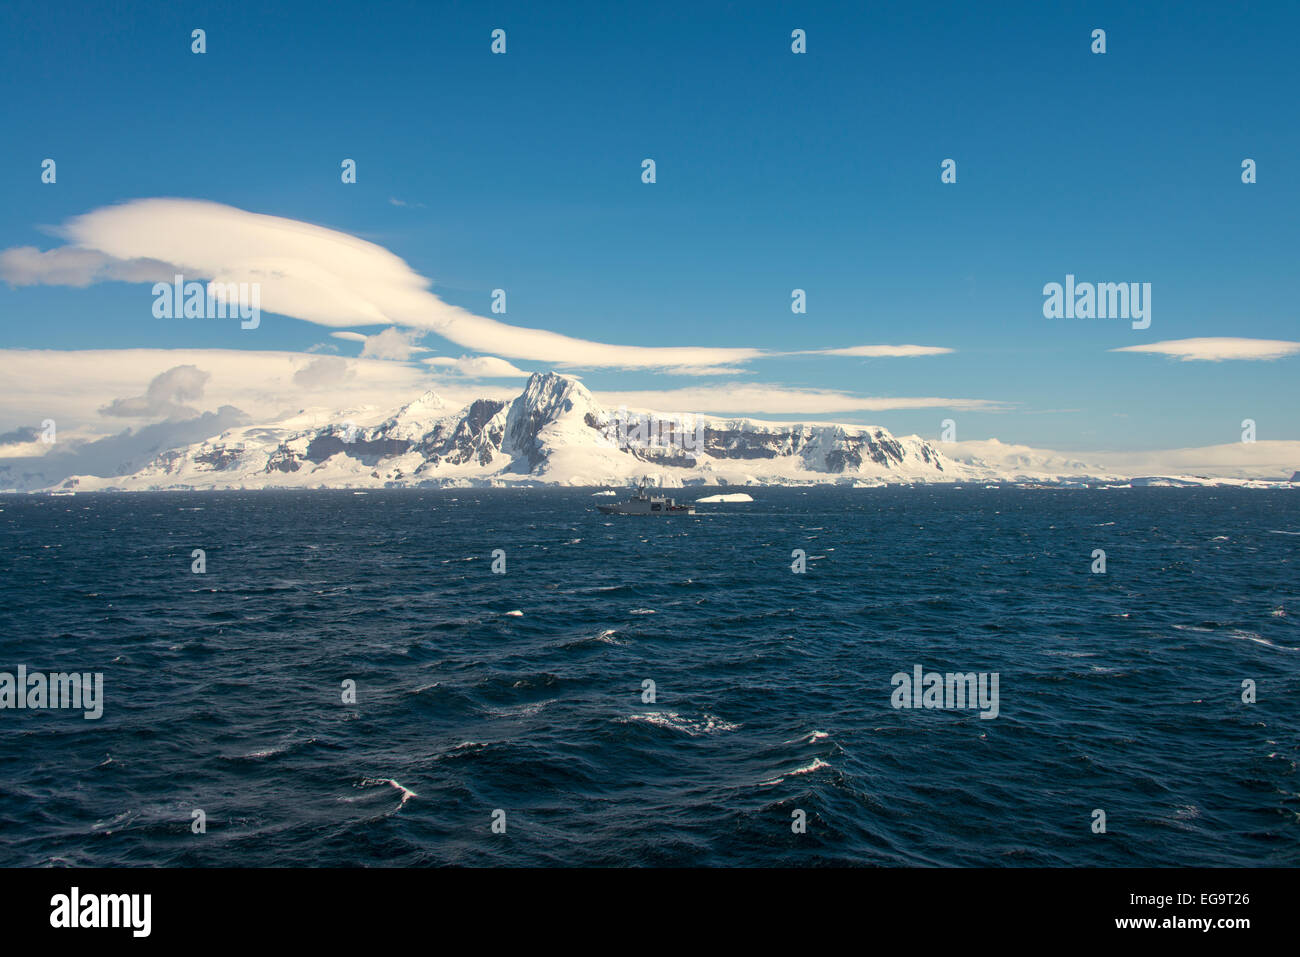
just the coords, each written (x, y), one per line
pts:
(521, 698)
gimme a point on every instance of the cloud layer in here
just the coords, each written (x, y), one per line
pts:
(322, 276)
(1218, 349)
(759, 399)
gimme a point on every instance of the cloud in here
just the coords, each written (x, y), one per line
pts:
(76, 266)
(777, 400)
(318, 275)
(1219, 349)
(273, 387)
(20, 436)
(1261, 460)
(22, 442)
(479, 367)
(1265, 459)
(877, 351)
(393, 343)
(334, 279)
(128, 450)
(324, 372)
(706, 370)
(70, 385)
(165, 397)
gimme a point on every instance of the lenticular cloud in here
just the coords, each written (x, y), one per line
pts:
(334, 279)
(331, 278)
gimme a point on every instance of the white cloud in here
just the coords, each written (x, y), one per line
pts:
(71, 386)
(124, 451)
(165, 397)
(479, 367)
(393, 343)
(328, 277)
(325, 372)
(761, 399)
(1218, 349)
(76, 266)
(323, 276)
(1265, 459)
(877, 351)
(269, 386)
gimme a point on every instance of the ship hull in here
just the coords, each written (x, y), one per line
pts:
(625, 510)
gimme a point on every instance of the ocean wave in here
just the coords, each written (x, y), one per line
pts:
(816, 764)
(406, 792)
(812, 737)
(694, 727)
(519, 710)
(1251, 636)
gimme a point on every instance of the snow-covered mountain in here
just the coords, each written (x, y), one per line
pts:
(556, 432)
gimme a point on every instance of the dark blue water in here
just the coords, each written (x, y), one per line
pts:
(1119, 692)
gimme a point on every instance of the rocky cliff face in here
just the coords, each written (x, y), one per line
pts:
(553, 432)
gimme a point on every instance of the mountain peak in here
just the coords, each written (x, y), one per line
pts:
(417, 416)
(554, 385)
(425, 401)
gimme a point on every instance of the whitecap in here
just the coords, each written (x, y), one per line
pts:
(815, 765)
(1251, 636)
(705, 724)
(812, 737)
(407, 793)
(518, 711)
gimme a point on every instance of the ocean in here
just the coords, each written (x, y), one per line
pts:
(506, 718)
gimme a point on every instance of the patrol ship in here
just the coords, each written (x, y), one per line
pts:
(644, 504)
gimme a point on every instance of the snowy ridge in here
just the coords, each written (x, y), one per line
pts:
(556, 432)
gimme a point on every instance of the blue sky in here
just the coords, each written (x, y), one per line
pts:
(775, 171)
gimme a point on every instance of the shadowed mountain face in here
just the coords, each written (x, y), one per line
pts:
(554, 432)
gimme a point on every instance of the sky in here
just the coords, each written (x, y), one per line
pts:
(774, 171)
